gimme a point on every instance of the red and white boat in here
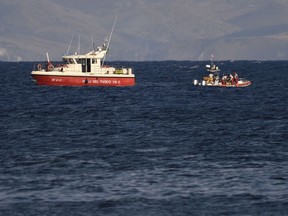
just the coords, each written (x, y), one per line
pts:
(215, 82)
(83, 70)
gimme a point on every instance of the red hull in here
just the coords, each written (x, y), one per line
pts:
(51, 80)
(244, 84)
(239, 85)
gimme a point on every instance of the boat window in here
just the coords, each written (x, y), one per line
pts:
(71, 61)
(78, 61)
(94, 61)
(65, 61)
(86, 65)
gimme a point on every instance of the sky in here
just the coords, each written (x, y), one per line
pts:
(146, 31)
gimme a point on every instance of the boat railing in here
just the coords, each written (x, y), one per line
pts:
(48, 66)
(121, 69)
(42, 66)
(124, 70)
(117, 70)
(61, 66)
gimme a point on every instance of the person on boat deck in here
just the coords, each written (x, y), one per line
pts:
(210, 78)
(216, 79)
(236, 77)
(224, 79)
(231, 79)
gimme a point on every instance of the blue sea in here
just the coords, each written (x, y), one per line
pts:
(162, 147)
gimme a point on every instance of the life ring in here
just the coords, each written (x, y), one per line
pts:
(39, 66)
(50, 67)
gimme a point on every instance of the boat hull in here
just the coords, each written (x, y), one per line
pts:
(56, 80)
(213, 70)
(238, 85)
(244, 84)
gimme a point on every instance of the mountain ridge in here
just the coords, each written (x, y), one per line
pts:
(162, 30)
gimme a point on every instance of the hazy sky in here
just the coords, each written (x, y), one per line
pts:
(159, 30)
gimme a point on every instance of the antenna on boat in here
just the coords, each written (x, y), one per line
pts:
(50, 66)
(47, 55)
(109, 39)
(93, 45)
(78, 49)
(70, 44)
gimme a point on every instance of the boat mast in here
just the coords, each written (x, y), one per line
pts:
(78, 49)
(93, 45)
(70, 44)
(109, 40)
(211, 60)
(47, 55)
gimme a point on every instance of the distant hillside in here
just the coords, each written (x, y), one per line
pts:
(165, 30)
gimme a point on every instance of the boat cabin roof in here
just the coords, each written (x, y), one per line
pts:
(76, 59)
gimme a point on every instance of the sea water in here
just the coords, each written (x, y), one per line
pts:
(161, 147)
